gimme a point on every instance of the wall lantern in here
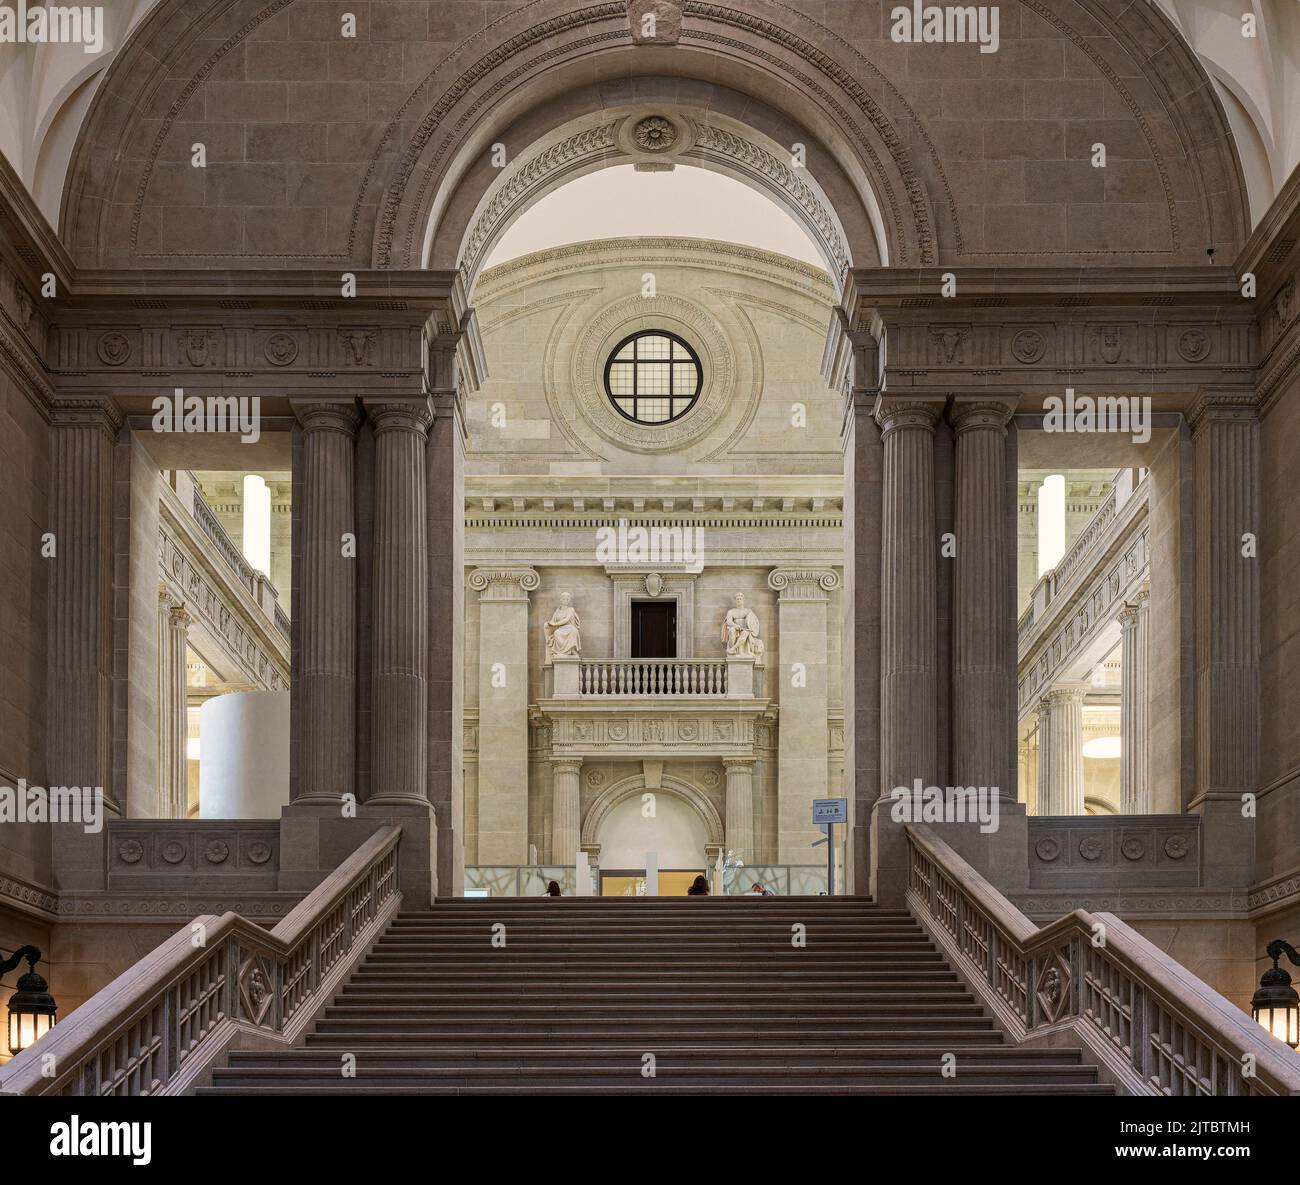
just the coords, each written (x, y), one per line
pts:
(1276, 1004)
(32, 1011)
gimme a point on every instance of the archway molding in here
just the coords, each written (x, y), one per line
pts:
(600, 807)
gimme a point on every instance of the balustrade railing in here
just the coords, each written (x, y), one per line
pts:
(160, 1025)
(1154, 1024)
(653, 676)
(211, 526)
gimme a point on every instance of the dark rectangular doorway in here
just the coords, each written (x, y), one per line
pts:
(654, 629)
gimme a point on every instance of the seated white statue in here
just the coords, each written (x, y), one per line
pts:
(564, 630)
(740, 631)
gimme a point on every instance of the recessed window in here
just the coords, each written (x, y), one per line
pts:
(653, 377)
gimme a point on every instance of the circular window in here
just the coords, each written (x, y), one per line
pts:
(653, 377)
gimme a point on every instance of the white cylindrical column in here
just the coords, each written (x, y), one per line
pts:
(1060, 768)
(244, 755)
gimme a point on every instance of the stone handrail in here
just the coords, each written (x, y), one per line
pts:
(211, 526)
(1147, 1020)
(653, 676)
(162, 1024)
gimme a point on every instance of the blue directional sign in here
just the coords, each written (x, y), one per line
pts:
(830, 810)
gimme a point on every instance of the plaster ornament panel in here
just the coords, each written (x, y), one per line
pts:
(1029, 345)
(655, 134)
(113, 349)
(281, 349)
(1052, 990)
(255, 988)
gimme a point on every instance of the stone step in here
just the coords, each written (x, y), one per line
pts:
(774, 1053)
(822, 1086)
(973, 1030)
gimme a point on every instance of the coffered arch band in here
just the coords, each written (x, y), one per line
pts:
(600, 807)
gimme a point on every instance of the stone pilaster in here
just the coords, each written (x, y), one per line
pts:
(740, 806)
(503, 713)
(1060, 759)
(1032, 754)
(445, 467)
(326, 626)
(566, 819)
(860, 628)
(802, 694)
(79, 736)
(1225, 444)
(399, 633)
(908, 633)
(173, 642)
(984, 625)
(1135, 789)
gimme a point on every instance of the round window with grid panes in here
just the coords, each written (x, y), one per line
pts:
(653, 377)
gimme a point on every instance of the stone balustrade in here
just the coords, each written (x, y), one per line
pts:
(653, 677)
(159, 1027)
(1147, 1022)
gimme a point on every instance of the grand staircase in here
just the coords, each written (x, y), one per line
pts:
(659, 995)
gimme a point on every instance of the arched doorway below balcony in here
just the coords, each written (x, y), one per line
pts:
(676, 821)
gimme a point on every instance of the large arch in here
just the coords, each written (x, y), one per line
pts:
(890, 144)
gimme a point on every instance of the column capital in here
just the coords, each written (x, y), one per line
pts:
(180, 616)
(739, 763)
(803, 584)
(990, 413)
(566, 765)
(504, 584)
(1128, 616)
(323, 416)
(103, 414)
(1222, 407)
(400, 415)
(1066, 693)
(896, 412)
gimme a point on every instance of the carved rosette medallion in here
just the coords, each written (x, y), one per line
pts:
(1133, 848)
(216, 851)
(130, 851)
(1194, 345)
(655, 134)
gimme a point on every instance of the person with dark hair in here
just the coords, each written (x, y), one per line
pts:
(699, 887)
(552, 889)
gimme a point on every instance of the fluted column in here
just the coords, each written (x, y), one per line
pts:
(984, 642)
(173, 642)
(1060, 757)
(79, 737)
(1225, 439)
(1135, 790)
(326, 627)
(503, 713)
(908, 661)
(399, 634)
(566, 823)
(740, 806)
